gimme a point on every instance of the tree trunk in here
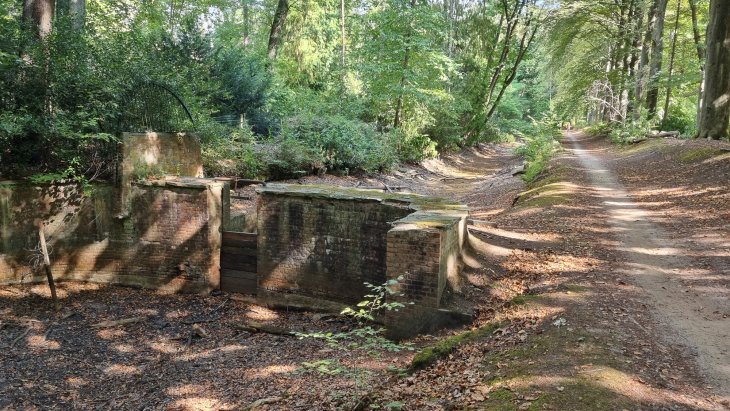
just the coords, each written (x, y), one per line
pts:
(75, 9)
(700, 52)
(657, 54)
(525, 43)
(277, 27)
(402, 84)
(39, 13)
(638, 17)
(246, 22)
(342, 36)
(696, 31)
(714, 113)
(643, 71)
(671, 61)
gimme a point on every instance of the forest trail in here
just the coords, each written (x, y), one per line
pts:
(658, 264)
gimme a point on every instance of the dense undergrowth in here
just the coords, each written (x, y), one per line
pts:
(538, 148)
(66, 95)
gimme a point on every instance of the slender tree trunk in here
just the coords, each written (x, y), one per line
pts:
(699, 45)
(246, 22)
(401, 86)
(277, 27)
(714, 114)
(342, 36)
(657, 54)
(75, 9)
(643, 71)
(671, 61)
(638, 17)
(696, 32)
(512, 22)
(402, 83)
(39, 14)
(525, 43)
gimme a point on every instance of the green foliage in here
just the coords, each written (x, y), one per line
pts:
(327, 367)
(632, 130)
(600, 129)
(411, 147)
(246, 88)
(682, 118)
(590, 43)
(229, 151)
(312, 109)
(365, 336)
(343, 144)
(538, 148)
(289, 157)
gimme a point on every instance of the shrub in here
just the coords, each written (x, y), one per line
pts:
(343, 145)
(411, 146)
(229, 151)
(600, 129)
(288, 157)
(631, 130)
(538, 148)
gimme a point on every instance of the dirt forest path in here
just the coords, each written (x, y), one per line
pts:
(656, 262)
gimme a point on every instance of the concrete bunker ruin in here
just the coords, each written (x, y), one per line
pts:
(162, 226)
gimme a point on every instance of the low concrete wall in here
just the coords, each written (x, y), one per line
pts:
(322, 242)
(169, 238)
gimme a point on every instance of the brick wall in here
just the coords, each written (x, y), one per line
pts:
(324, 242)
(169, 238)
(317, 242)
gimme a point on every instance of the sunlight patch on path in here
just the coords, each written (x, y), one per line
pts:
(656, 263)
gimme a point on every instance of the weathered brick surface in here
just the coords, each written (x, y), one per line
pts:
(159, 154)
(415, 254)
(326, 242)
(322, 247)
(169, 238)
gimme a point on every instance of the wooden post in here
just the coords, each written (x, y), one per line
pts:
(47, 268)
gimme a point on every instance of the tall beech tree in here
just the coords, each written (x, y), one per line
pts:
(714, 113)
(277, 28)
(39, 15)
(657, 54)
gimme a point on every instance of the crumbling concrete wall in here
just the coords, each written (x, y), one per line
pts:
(170, 238)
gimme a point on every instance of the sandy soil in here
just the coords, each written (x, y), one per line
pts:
(696, 317)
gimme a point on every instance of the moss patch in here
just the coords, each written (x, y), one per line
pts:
(524, 299)
(558, 368)
(643, 146)
(574, 288)
(551, 189)
(699, 154)
(544, 201)
(444, 347)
